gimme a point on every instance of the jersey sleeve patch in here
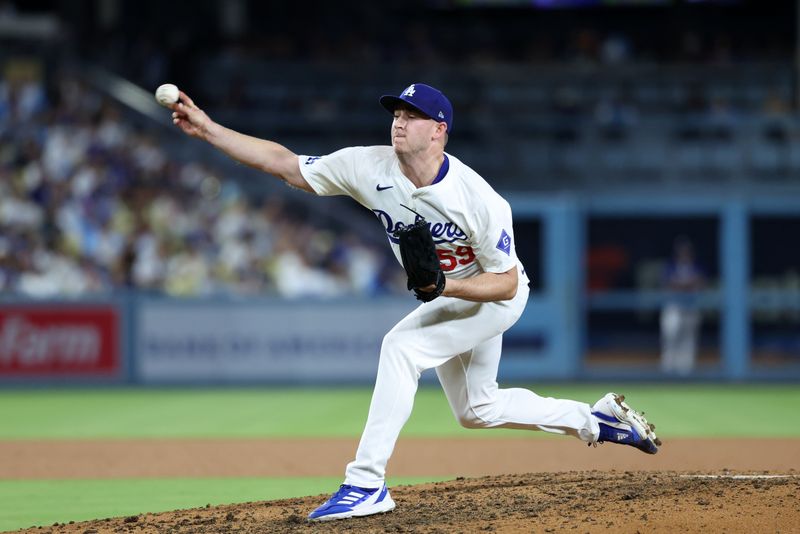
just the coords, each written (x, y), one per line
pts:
(504, 243)
(311, 159)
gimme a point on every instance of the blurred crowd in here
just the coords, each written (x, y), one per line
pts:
(467, 38)
(90, 205)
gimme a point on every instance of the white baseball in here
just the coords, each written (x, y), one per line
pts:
(167, 94)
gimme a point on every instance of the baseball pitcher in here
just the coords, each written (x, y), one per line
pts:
(454, 236)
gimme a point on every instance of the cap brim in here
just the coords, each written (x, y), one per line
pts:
(391, 103)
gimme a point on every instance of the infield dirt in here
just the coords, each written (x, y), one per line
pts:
(557, 485)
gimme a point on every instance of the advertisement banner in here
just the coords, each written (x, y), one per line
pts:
(72, 341)
(264, 342)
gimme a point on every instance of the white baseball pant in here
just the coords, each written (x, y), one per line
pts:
(462, 340)
(680, 329)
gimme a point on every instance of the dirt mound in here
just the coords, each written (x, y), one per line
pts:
(580, 501)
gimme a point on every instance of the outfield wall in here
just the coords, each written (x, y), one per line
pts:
(149, 341)
(159, 341)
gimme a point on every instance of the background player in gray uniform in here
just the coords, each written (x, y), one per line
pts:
(681, 315)
(459, 333)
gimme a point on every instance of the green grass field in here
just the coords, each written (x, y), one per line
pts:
(680, 411)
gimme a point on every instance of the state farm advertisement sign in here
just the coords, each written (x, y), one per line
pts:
(80, 340)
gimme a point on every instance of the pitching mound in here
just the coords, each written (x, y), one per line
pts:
(585, 501)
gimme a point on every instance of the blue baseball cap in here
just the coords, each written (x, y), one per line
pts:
(424, 98)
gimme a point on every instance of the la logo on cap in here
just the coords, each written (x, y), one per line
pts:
(410, 91)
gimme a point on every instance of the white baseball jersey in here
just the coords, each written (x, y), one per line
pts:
(462, 340)
(471, 223)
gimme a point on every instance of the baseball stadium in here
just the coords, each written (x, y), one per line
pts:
(564, 295)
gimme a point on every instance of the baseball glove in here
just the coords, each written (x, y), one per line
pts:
(420, 260)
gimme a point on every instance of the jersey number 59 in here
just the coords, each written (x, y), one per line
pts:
(449, 259)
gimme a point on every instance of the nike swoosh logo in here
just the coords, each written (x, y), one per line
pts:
(383, 188)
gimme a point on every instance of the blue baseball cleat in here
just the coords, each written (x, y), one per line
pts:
(619, 423)
(351, 501)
